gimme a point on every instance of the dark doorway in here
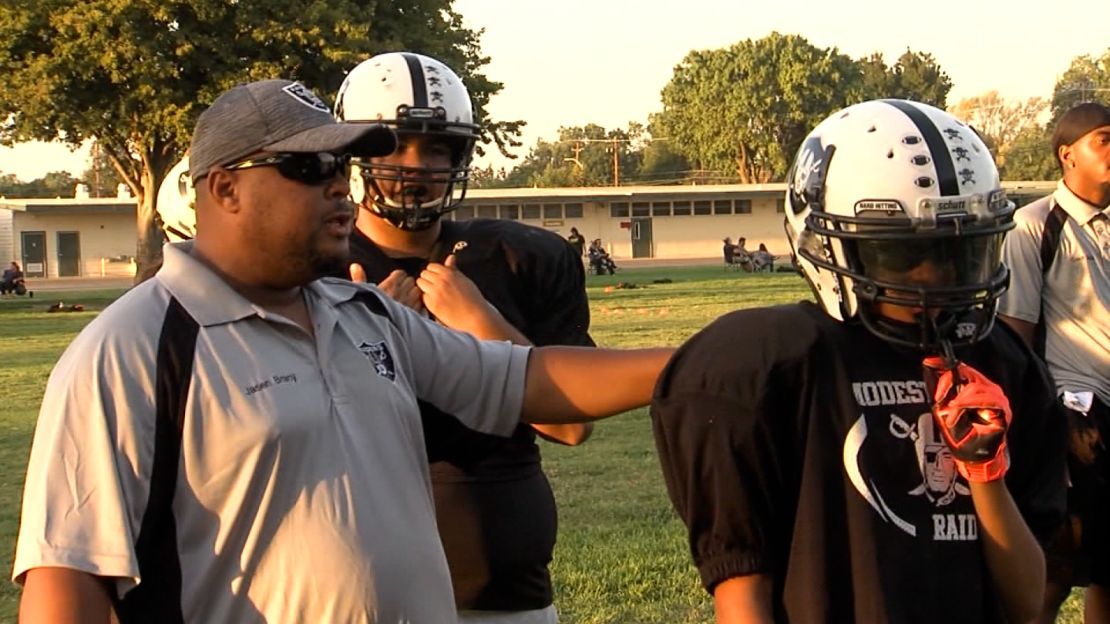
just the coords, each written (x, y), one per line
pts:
(34, 253)
(69, 254)
(641, 237)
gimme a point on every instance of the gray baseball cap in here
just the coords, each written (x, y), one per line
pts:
(276, 116)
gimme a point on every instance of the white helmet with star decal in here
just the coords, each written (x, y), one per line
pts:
(414, 94)
(881, 193)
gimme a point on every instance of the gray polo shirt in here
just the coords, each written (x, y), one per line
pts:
(1076, 292)
(302, 491)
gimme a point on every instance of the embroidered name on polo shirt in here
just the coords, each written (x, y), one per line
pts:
(380, 358)
(270, 383)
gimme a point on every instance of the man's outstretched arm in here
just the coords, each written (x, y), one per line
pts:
(579, 384)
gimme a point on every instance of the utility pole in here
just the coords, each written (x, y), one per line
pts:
(96, 167)
(616, 164)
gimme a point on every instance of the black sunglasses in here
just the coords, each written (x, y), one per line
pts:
(307, 168)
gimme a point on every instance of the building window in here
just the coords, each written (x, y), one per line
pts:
(464, 212)
(722, 206)
(703, 208)
(552, 211)
(619, 209)
(510, 211)
(531, 211)
(681, 208)
(487, 211)
(574, 211)
(660, 209)
(641, 209)
(780, 205)
(743, 206)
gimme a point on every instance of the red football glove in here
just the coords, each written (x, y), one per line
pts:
(973, 415)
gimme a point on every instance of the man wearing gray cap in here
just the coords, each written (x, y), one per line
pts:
(236, 440)
(1059, 301)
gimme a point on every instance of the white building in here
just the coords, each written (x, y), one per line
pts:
(83, 237)
(96, 237)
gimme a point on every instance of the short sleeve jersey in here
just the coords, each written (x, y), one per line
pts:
(1075, 292)
(497, 513)
(302, 489)
(804, 449)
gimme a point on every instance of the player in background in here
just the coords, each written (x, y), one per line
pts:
(496, 279)
(1059, 302)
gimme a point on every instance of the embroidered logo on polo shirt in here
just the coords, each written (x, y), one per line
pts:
(380, 358)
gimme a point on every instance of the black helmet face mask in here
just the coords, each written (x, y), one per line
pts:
(949, 285)
(412, 198)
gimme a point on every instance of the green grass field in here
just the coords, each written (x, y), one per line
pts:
(621, 555)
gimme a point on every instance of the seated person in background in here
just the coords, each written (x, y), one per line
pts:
(763, 259)
(729, 251)
(12, 281)
(742, 256)
(600, 261)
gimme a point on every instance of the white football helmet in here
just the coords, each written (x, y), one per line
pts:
(414, 94)
(176, 198)
(900, 202)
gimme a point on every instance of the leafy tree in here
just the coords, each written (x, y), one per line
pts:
(1000, 122)
(488, 177)
(743, 110)
(661, 164)
(1086, 79)
(740, 113)
(134, 75)
(582, 156)
(53, 184)
(101, 176)
(875, 79)
(918, 77)
(10, 185)
(914, 76)
(58, 184)
(1029, 156)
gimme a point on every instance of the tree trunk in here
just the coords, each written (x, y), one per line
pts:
(148, 240)
(148, 232)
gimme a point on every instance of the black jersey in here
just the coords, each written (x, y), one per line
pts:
(803, 448)
(494, 506)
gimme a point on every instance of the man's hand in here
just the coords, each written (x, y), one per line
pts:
(973, 415)
(398, 285)
(456, 302)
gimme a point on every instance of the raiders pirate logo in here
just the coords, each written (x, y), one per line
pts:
(302, 94)
(901, 466)
(934, 460)
(380, 358)
(806, 181)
